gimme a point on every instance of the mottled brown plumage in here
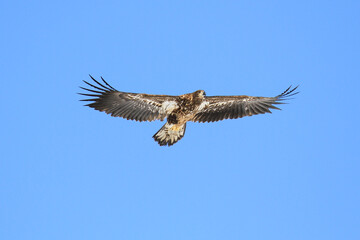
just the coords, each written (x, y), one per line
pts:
(178, 110)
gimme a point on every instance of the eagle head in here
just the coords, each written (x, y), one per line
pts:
(200, 93)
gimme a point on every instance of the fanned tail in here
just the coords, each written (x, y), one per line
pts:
(169, 134)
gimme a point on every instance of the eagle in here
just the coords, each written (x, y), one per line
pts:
(178, 110)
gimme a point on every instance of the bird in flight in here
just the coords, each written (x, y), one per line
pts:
(195, 107)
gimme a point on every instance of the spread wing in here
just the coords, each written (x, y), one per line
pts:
(218, 108)
(134, 106)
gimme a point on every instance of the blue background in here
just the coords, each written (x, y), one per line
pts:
(69, 172)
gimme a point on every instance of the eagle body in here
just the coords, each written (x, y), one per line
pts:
(177, 110)
(187, 105)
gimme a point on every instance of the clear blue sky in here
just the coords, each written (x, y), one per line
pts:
(69, 172)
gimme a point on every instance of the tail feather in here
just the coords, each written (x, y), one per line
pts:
(169, 134)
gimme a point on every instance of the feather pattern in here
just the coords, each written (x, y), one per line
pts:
(131, 106)
(225, 107)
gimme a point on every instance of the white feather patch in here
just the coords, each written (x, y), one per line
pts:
(169, 106)
(203, 105)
